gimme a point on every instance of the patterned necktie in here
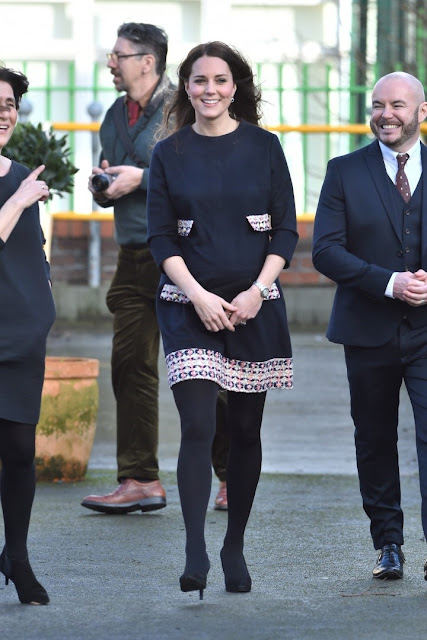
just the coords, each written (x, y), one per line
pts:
(402, 183)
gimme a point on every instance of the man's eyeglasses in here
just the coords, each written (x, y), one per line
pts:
(115, 57)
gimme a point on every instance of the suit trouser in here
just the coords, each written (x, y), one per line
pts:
(375, 376)
(134, 369)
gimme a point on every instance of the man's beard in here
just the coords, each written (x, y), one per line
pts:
(407, 132)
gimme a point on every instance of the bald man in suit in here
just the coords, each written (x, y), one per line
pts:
(370, 237)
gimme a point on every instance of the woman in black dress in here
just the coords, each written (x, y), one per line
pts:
(222, 226)
(26, 315)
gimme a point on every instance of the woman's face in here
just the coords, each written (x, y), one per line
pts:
(210, 88)
(8, 113)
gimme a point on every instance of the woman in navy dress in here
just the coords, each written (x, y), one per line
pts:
(26, 315)
(222, 226)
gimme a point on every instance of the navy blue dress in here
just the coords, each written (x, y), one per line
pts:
(26, 309)
(222, 203)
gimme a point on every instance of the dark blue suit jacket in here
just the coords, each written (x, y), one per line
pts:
(357, 242)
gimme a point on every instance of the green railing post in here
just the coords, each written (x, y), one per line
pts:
(280, 91)
(49, 91)
(328, 110)
(71, 110)
(305, 90)
(421, 43)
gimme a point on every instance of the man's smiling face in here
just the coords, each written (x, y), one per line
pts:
(397, 112)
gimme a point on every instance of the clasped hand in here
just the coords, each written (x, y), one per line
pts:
(217, 314)
(411, 287)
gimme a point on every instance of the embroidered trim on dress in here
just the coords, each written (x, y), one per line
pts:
(233, 375)
(184, 227)
(260, 223)
(274, 292)
(172, 293)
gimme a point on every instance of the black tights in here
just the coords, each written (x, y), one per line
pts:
(17, 483)
(196, 403)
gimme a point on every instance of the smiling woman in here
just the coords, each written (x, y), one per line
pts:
(26, 315)
(211, 90)
(221, 226)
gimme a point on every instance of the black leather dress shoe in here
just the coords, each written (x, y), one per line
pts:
(390, 563)
(425, 570)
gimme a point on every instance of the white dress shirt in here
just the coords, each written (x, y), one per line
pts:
(413, 170)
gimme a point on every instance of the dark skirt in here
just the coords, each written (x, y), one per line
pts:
(254, 358)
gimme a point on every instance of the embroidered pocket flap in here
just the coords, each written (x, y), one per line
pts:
(260, 223)
(184, 227)
(172, 293)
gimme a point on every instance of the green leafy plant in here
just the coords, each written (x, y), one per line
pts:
(31, 146)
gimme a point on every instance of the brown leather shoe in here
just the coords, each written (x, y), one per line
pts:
(221, 503)
(130, 495)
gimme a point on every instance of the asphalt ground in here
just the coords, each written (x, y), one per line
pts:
(308, 546)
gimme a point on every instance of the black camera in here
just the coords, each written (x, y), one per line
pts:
(101, 181)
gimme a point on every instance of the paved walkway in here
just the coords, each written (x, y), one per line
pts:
(308, 546)
(305, 430)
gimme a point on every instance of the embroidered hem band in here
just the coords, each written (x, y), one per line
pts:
(230, 374)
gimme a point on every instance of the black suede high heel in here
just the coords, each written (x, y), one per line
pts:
(236, 574)
(29, 590)
(195, 580)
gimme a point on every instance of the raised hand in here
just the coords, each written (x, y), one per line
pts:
(32, 189)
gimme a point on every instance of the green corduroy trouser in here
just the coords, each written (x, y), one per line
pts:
(134, 369)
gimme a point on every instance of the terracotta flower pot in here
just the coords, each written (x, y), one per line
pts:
(66, 429)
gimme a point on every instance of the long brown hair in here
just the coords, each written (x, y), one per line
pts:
(179, 112)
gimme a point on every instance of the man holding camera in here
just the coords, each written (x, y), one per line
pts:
(137, 63)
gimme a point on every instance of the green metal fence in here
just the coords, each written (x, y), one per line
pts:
(293, 94)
